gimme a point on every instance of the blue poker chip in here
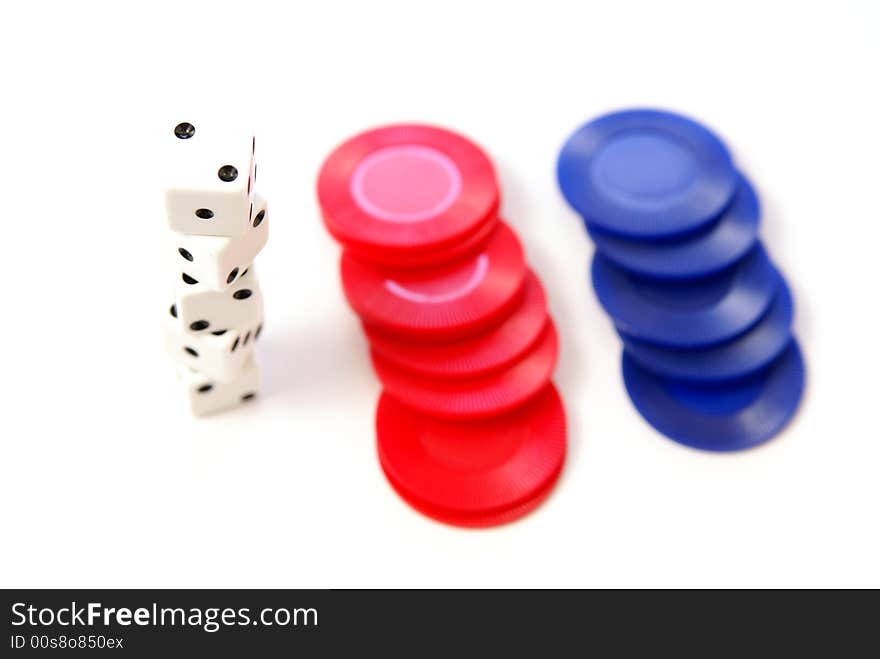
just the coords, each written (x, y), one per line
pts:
(700, 254)
(691, 314)
(646, 174)
(732, 360)
(728, 417)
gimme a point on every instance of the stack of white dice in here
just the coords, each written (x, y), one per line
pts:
(218, 226)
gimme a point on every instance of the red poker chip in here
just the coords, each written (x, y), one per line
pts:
(474, 398)
(480, 520)
(457, 299)
(473, 473)
(406, 186)
(497, 348)
(407, 258)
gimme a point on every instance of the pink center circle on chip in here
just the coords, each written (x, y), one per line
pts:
(405, 183)
(442, 289)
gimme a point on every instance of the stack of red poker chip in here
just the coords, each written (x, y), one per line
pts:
(470, 429)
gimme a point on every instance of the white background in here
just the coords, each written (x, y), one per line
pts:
(106, 481)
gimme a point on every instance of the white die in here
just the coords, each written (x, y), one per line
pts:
(200, 310)
(208, 395)
(220, 355)
(218, 261)
(210, 172)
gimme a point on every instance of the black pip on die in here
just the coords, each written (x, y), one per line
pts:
(218, 226)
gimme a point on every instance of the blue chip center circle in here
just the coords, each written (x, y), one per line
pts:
(644, 168)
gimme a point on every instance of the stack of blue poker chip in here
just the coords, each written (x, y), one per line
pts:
(709, 357)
